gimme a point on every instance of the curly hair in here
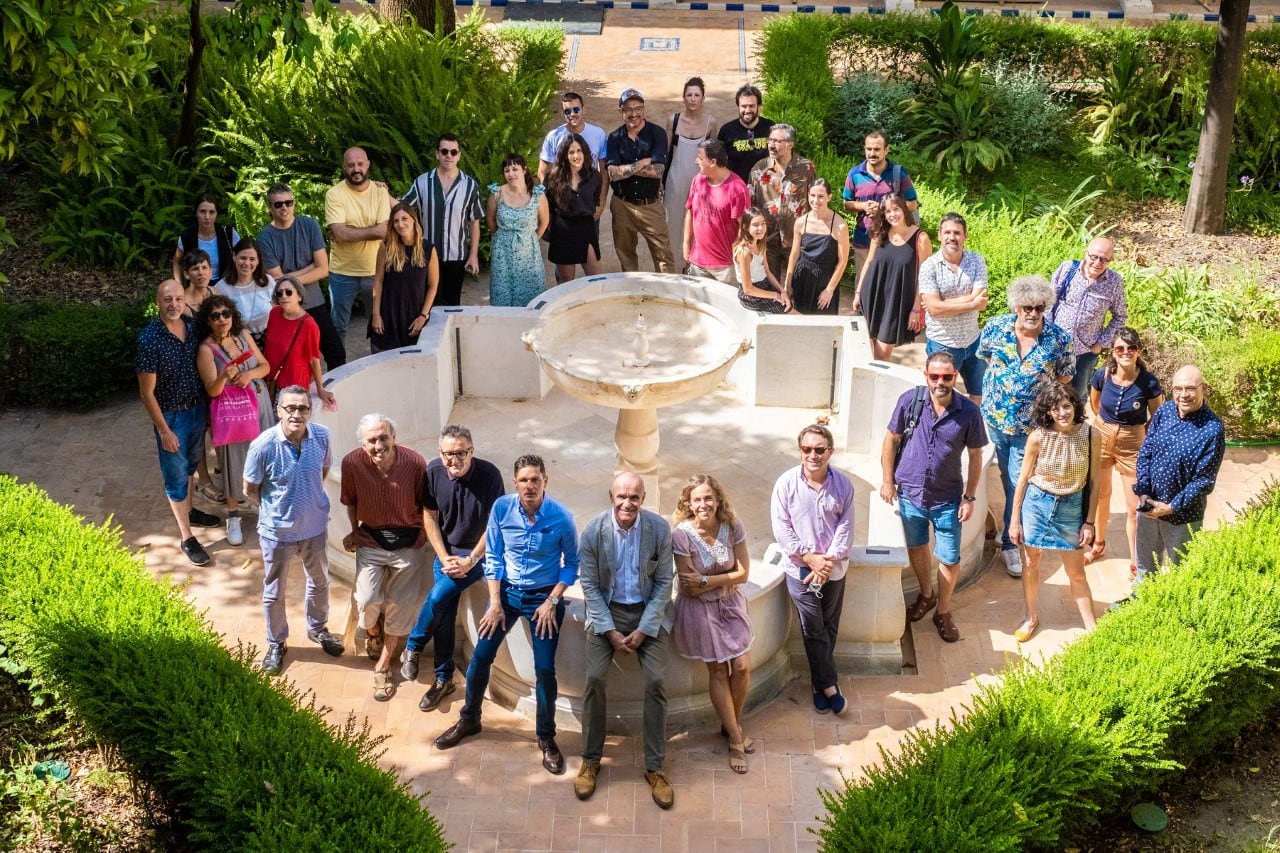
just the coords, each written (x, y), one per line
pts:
(1050, 395)
(684, 512)
(1129, 336)
(217, 300)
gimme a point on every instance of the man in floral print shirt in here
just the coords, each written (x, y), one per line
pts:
(1022, 350)
(780, 187)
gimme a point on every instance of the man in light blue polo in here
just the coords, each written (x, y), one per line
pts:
(285, 469)
(531, 558)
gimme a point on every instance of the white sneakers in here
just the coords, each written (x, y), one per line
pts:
(1012, 561)
(235, 536)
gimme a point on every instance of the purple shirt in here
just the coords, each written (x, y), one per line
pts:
(807, 519)
(930, 473)
(1084, 305)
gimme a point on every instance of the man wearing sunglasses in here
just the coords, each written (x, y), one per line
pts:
(448, 203)
(927, 481)
(458, 491)
(1021, 350)
(293, 245)
(575, 121)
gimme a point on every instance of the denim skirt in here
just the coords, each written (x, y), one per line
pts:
(1050, 521)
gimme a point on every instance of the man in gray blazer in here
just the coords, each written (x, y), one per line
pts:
(626, 572)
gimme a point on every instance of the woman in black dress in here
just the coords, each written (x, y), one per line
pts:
(573, 191)
(819, 255)
(888, 294)
(404, 282)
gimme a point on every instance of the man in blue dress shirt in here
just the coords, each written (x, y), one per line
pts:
(531, 558)
(1177, 468)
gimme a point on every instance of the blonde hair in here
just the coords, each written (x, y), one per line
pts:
(395, 247)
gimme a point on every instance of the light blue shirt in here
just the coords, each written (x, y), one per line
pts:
(531, 554)
(294, 506)
(626, 575)
(595, 136)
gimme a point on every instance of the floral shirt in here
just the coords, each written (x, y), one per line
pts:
(783, 194)
(1084, 304)
(1011, 382)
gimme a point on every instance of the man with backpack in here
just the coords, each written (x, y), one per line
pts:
(929, 432)
(869, 182)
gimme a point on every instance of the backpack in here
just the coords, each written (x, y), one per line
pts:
(913, 418)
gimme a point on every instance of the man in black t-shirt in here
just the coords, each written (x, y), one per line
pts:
(457, 493)
(747, 138)
(637, 154)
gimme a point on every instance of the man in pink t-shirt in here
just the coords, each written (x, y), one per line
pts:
(717, 200)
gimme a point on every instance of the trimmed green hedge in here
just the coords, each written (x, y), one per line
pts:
(244, 761)
(1160, 682)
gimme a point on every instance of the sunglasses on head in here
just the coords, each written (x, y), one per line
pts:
(282, 203)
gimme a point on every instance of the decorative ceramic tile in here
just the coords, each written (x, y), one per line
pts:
(661, 44)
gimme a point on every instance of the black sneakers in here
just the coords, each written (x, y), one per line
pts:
(199, 518)
(195, 552)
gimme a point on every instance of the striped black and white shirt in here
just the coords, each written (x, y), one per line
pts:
(447, 217)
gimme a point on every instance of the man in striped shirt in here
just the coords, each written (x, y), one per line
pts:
(448, 202)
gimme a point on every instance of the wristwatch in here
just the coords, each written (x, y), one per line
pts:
(554, 599)
(702, 584)
(969, 499)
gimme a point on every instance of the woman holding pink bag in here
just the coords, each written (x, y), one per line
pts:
(233, 371)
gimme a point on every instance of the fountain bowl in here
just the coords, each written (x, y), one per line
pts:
(588, 343)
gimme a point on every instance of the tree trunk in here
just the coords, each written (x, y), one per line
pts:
(1206, 201)
(186, 142)
(434, 16)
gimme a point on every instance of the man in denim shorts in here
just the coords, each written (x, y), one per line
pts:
(174, 398)
(928, 485)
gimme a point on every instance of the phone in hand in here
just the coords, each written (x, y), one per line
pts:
(1145, 505)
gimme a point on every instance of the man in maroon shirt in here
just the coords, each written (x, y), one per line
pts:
(380, 487)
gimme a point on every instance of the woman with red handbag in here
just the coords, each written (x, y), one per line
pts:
(233, 371)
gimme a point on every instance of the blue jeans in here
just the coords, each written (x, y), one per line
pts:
(343, 290)
(438, 619)
(517, 603)
(1084, 372)
(970, 367)
(1009, 450)
(177, 467)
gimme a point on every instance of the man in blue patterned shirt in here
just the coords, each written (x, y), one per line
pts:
(173, 395)
(1177, 469)
(1021, 351)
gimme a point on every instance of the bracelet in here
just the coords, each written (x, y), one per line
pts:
(1090, 523)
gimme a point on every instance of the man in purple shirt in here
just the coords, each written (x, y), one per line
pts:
(927, 481)
(812, 511)
(1087, 291)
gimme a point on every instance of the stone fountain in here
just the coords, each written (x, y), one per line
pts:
(636, 351)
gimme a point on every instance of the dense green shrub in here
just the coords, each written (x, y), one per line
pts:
(1243, 372)
(867, 102)
(1028, 117)
(243, 761)
(1039, 756)
(66, 356)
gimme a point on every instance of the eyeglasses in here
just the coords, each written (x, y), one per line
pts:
(813, 451)
(1097, 259)
(456, 454)
(572, 111)
(941, 377)
(448, 152)
(633, 111)
(279, 204)
(1187, 389)
(1034, 309)
(220, 315)
(296, 410)
(1121, 349)
(281, 294)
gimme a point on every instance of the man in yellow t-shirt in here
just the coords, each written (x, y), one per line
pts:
(356, 211)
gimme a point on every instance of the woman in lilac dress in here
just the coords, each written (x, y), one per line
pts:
(711, 622)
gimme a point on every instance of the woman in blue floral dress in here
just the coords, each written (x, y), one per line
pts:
(518, 216)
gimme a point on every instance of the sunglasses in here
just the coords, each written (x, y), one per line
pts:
(1034, 309)
(282, 203)
(572, 111)
(448, 152)
(220, 315)
(1122, 349)
(280, 294)
(941, 377)
(814, 451)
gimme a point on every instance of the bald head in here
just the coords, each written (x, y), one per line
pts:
(170, 301)
(1188, 389)
(627, 494)
(1097, 257)
(355, 166)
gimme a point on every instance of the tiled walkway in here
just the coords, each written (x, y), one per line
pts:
(491, 792)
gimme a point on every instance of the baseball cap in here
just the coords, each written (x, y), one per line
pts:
(630, 95)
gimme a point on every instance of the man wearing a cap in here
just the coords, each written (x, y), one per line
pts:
(637, 155)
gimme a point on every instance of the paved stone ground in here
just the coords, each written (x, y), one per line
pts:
(491, 793)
